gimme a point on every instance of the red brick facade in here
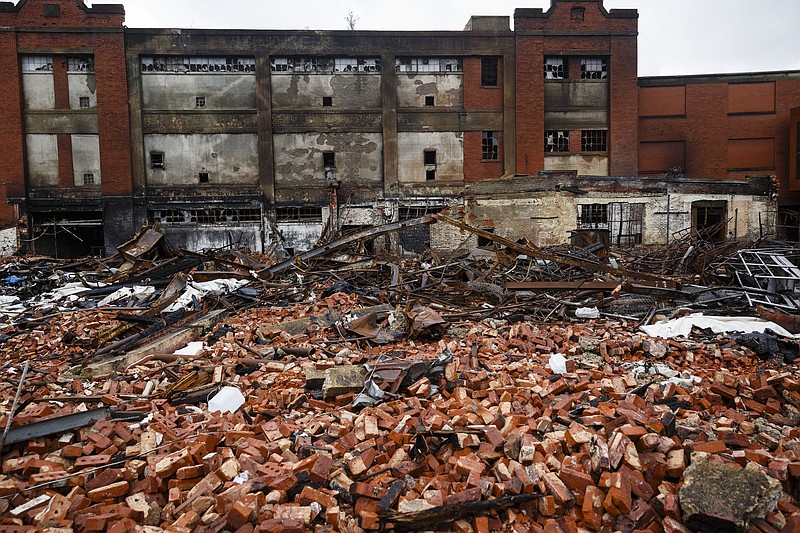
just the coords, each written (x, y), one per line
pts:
(478, 97)
(28, 29)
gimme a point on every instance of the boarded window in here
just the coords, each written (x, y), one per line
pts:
(751, 97)
(662, 101)
(751, 154)
(659, 157)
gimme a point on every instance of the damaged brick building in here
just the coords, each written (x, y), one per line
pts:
(262, 137)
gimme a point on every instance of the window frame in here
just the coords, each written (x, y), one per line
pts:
(328, 159)
(160, 165)
(490, 71)
(587, 140)
(554, 147)
(594, 73)
(490, 145)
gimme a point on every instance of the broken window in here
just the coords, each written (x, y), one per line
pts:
(709, 219)
(428, 64)
(294, 213)
(177, 216)
(279, 64)
(555, 68)
(594, 140)
(324, 64)
(556, 141)
(199, 64)
(157, 160)
(80, 63)
(490, 146)
(83, 102)
(576, 14)
(327, 101)
(408, 212)
(203, 177)
(37, 63)
(623, 221)
(429, 159)
(429, 101)
(430, 174)
(594, 68)
(88, 179)
(200, 101)
(329, 159)
(489, 75)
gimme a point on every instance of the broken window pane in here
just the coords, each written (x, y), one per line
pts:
(200, 101)
(555, 68)
(345, 64)
(88, 179)
(179, 216)
(623, 221)
(37, 63)
(592, 215)
(556, 141)
(83, 102)
(489, 75)
(490, 146)
(594, 68)
(427, 64)
(80, 63)
(411, 212)
(594, 140)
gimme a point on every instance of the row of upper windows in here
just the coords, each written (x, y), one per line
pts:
(592, 68)
(81, 63)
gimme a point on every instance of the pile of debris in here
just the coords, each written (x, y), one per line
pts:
(508, 388)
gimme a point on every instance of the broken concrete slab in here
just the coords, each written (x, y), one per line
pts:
(716, 497)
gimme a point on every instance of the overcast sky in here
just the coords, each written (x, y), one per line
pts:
(675, 36)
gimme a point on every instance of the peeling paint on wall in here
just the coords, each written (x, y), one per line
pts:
(180, 91)
(447, 90)
(299, 158)
(303, 91)
(449, 157)
(42, 155)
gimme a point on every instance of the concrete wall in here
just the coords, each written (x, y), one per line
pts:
(179, 91)
(298, 157)
(86, 157)
(82, 84)
(349, 91)
(449, 146)
(204, 237)
(447, 89)
(9, 241)
(586, 165)
(38, 90)
(42, 154)
(229, 159)
(576, 104)
(300, 235)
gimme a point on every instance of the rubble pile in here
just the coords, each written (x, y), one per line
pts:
(506, 389)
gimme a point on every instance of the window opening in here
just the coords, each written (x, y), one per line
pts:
(80, 64)
(200, 101)
(489, 77)
(577, 14)
(37, 63)
(429, 101)
(203, 177)
(428, 64)
(198, 64)
(709, 218)
(594, 140)
(556, 141)
(555, 68)
(490, 146)
(329, 159)
(52, 10)
(157, 160)
(295, 213)
(594, 68)
(430, 157)
(623, 221)
(88, 179)
(83, 102)
(327, 101)
(409, 212)
(324, 64)
(430, 174)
